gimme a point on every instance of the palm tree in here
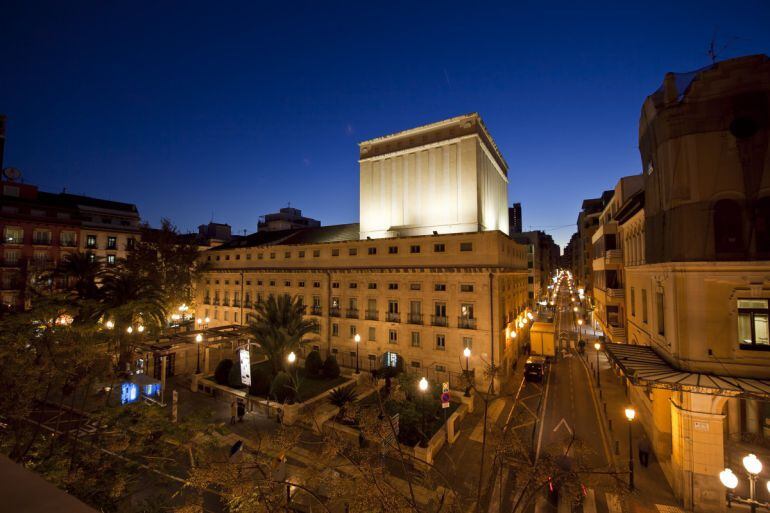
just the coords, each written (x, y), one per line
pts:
(278, 326)
(341, 397)
(127, 299)
(82, 269)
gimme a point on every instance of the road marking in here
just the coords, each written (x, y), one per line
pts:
(602, 427)
(564, 423)
(589, 503)
(494, 411)
(542, 416)
(613, 503)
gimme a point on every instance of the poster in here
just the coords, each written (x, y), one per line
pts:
(245, 359)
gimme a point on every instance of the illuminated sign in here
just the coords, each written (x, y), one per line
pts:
(245, 359)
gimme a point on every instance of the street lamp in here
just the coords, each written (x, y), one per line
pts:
(291, 358)
(129, 330)
(140, 328)
(630, 415)
(580, 328)
(467, 355)
(198, 340)
(109, 325)
(423, 386)
(753, 467)
(598, 348)
(357, 339)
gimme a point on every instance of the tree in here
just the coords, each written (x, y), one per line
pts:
(222, 372)
(81, 271)
(341, 398)
(279, 326)
(331, 367)
(282, 388)
(260, 381)
(313, 364)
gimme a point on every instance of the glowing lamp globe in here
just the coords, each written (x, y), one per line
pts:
(728, 479)
(752, 464)
(423, 384)
(292, 357)
(467, 352)
(357, 338)
(199, 338)
(630, 414)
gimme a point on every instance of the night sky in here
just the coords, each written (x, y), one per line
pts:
(228, 109)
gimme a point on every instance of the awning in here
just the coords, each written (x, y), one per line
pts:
(643, 366)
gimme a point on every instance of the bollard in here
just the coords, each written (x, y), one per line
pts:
(610, 423)
(617, 448)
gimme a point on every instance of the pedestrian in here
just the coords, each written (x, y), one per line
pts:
(233, 411)
(241, 411)
(644, 451)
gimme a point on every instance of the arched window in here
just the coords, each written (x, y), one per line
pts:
(762, 225)
(728, 227)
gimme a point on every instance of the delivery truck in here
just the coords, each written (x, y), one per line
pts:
(542, 339)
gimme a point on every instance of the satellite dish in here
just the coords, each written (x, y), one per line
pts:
(12, 174)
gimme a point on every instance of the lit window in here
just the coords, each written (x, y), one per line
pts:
(13, 235)
(90, 241)
(112, 242)
(752, 323)
(110, 259)
(393, 336)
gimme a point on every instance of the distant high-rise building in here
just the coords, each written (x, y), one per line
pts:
(285, 219)
(514, 218)
(214, 232)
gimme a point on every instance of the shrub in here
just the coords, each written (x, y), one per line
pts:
(331, 367)
(234, 377)
(313, 364)
(222, 372)
(281, 388)
(260, 381)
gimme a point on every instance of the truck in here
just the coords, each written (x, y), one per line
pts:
(542, 339)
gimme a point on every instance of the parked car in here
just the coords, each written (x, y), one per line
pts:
(535, 368)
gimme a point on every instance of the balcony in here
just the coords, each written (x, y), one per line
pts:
(372, 315)
(225, 302)
(247, 304)
(334, 311)
(41, 241)
(215, 302)
(11, 264)
(613, 256)
(615, 293)
(41, 265)
(68, 243)
(414, 318)
(11, 285)
(467, 323)
(206, 300)
(236, 302)
(393, 317)
(351, 313)
(439, 320)
(316, 310)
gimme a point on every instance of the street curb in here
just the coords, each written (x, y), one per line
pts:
(600, 414)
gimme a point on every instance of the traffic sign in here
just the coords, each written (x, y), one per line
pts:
(445, 395)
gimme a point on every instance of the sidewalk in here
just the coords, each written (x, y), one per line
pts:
(651, 487)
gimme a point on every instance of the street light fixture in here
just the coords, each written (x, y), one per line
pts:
(467, 355)
(129, 330)
(423, 386)
(291, 358)
(198, 340)
(598, 348)
(109, 325)
(357, 339)
(630, 415)
(753, 467)
(140, 328)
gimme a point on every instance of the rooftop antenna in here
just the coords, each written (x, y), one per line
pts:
(714, 50)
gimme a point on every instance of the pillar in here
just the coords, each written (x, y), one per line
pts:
(734, 418)
(752, 416)
(698, 450)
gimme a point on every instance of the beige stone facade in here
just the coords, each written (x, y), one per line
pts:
(422, 298)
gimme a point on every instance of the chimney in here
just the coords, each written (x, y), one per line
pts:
(2, 139)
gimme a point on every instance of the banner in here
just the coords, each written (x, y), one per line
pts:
(243, 355)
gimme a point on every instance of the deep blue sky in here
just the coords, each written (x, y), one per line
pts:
(189, 109)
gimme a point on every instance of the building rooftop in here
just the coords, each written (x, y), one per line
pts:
(312, 235)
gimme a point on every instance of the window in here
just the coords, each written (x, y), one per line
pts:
(466, 311)
(467, 342)
(259, 256)
(287, 283)
(352, 251)
(301, 254)
(335, 285)
(112, 242)
(372, 333)
(227, 257)
(728, 227)
(530, 279)
(259, 282)
(392, 286)
(13, 235)
(633, 302)
(272, 283)
(415, 339)
(393, 336)
(335, 329)
(41, 237)
(353, 330)
(438, 248)
(752, 324)
(316, 284)
(272, 256)
(287, 254)
(335, 252)
(372, 251)
(248, 256)
(415, 286)
(660, 312)
(238, 256)
(415, 248)
(90, 241)
(111, 259)
(11, 190)
(316, 253)
(440, 368)
(644, 306)
(11, 256)
(393, 306)
(300, 284)
(440, 287)
(466, 246)
(372, 286)
(440, 342)
(415, 364)
(466, 287)
(353, 285)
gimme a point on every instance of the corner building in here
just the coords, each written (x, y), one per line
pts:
(419, 293)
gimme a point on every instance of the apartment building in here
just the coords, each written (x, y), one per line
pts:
(696, 265)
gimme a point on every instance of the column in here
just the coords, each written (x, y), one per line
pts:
(734, 418)
(752, 416)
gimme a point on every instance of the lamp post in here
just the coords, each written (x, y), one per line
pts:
(467, 355)
(598, 348)
(580, 328)
(357, 339)
(423, 386)
(198, 340)
(753, 467)
(630, 414)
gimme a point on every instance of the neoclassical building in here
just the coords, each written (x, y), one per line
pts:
(428, 272)
(696, 264)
